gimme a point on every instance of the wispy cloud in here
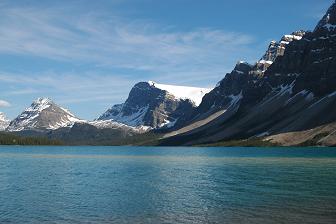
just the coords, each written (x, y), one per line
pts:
(4, 103)
(110, 41)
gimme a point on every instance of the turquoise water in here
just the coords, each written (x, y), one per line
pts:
(167, 185)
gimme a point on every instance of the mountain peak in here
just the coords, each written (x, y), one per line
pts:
(40, 104)
(43, 114)
(43, 100)
(329, 19)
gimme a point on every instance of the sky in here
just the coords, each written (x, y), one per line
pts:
(86, 55)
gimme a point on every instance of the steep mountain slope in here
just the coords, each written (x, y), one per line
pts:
(42, 115)
(4, 122)
(225, 98)
(152, 105)
(296, 92)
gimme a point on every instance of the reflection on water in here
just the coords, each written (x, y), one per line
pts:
(166, 185)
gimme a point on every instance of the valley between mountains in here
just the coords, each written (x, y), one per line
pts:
(286, 98)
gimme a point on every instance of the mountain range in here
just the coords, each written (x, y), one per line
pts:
(288, 97)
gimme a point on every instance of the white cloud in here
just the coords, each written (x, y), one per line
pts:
(4, 103)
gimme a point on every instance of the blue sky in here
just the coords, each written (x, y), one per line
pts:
(86, 55)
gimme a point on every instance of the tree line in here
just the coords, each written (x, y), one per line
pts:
(11, 139)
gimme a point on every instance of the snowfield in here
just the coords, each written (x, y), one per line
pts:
(194, 94)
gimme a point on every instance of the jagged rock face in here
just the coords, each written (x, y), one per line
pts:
(148, 106)
(232, 85)
(246, 79)
(310, 62)
(297, 92)
(4, 122)
(43, 114)
(275, 50)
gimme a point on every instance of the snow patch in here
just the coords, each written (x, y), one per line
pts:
(293, 37)
(323, 60)
(308, 96)
(135, 119)
(239, 72)
(194, 94)
(320, 100)
(266, 133)
(236, 98)
(279, 91)
(265, 62)
(329, 26)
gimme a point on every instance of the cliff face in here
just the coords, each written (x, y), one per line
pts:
(311, 61)
(277, 49)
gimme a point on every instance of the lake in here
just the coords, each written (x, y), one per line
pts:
(167, 185)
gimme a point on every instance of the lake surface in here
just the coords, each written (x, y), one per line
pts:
(167, 185)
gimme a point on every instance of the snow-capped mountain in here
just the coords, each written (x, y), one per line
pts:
(153, 105)
(43, 114)
(4, 122)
